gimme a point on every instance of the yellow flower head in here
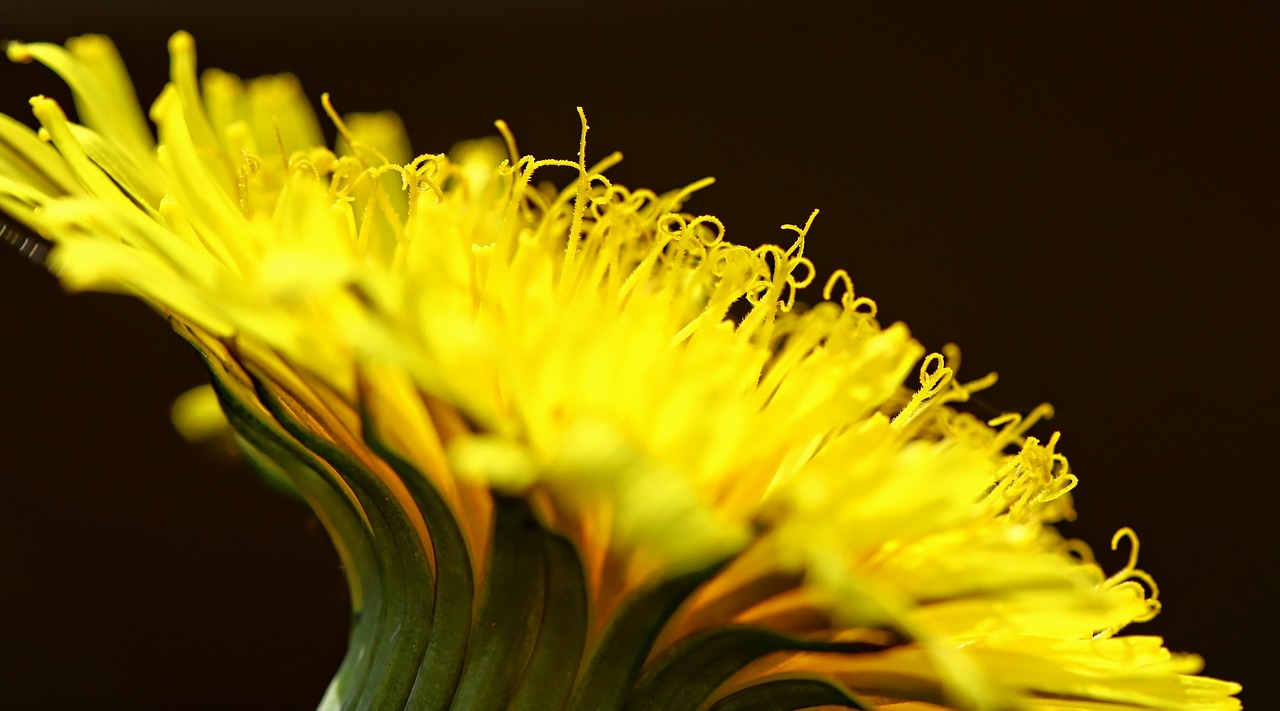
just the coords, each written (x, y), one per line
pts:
(576, 448)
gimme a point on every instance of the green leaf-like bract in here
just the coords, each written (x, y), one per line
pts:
(408, 589)
(616, 660)
(503, 639)
(688, 673)
(446, 651)
(414, 643)
(790, 694)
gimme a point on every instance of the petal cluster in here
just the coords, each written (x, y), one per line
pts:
(654, 393)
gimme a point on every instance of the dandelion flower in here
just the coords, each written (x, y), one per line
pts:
(575, 448)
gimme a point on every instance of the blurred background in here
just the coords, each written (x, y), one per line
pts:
(1083, 196)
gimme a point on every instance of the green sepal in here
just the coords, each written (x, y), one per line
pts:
(690, 671)
(271, 472)
(267, 444)
(455, 584)
(729, 604)
(790, 693)
(408, 589)
(615, 661)
(348, 680)
(511, 609)
(548, 680)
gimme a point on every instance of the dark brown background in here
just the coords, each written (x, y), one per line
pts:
(1083, 197)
